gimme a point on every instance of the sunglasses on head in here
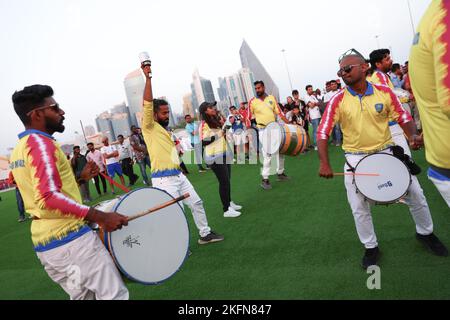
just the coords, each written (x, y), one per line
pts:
(351, 52)
(55, 108)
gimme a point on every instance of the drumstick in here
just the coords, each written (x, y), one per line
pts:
(356, 174)
(162, 206)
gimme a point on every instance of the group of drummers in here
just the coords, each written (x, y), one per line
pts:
(379, 169)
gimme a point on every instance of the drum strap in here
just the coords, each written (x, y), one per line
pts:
(352, 169)
(400, 154)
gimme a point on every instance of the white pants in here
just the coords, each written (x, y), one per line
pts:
(398, 136)
(415, 200)
(443, 188)
(267, 162)
(178, 185)
(85, 270)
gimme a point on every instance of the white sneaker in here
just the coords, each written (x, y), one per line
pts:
(235, 206)
(231, 213)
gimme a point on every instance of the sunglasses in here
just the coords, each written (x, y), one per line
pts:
(346, 69)
(351, 52)
(55, 108)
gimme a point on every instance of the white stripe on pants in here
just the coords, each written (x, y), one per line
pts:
(178, 185)
(443, 188)
(85, 270)
(415, 200)
(267, 162)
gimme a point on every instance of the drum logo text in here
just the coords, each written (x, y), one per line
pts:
(130, 241)
(388, 184)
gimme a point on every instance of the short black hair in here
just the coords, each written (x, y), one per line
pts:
(233, 107)
(158, 103)
(295, 92)
(120, 136)
(295, 107)
(395, 67)
(259, 82)
(308, 86)
(29, 99)
(378, 55)
(76, 147)
(90, 144)
(186, 116)
(333, 81)
(328, 83)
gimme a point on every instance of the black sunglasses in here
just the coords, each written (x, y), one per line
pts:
(351, 52)
(346, 69)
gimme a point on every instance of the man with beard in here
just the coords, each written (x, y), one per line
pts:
(363, 110)
(165, 163)
(381, 63)
(62, 240)
(264, 108)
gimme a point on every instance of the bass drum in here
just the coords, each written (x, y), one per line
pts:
(151, 249)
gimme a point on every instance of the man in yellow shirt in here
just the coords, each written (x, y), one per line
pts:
(165, 163)
(430, 79)
(381, 62)
(265, 110)
(363, 110)
(71, 253)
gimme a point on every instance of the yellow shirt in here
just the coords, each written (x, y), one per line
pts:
(217, 149)
(379, 77)
(430, 78)
(264, 110)
(49, 190)
(364, 119)
(161, 148)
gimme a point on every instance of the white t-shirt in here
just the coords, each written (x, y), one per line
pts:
(108, 150)
(314, 113)
(125, 150)
(330, 95)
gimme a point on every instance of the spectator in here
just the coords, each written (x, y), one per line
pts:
(78, 163)
(111, 156)
(239, 133)
(397, 76)
(140, 150)
(192, 130)
(337, 133)
(314, 112)
(125, 159)
(19, 199)
(304, 113)
(96, 156)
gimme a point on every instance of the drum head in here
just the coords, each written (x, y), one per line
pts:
(392, 184)
(271, 138)
(152, 248)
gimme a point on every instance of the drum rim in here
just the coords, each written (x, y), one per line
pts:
(281, 137)
(375, 201)
(110, 248)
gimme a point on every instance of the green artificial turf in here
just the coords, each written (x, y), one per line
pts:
(297, 241)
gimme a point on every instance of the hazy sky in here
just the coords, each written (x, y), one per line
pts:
(84, 49)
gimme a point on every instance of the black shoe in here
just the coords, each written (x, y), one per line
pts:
(371, 258)
(266, 185)
(282, 178)
(212, 237)
(433, 244)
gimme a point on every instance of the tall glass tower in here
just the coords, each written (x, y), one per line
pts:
(250, 61)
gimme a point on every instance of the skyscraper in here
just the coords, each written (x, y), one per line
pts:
(134, 84)
(247, 81)
(104, 125)
(120, 123)
(250, 61)
(235, 91)
(188, 109)
(202, 90)
(89, 131)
